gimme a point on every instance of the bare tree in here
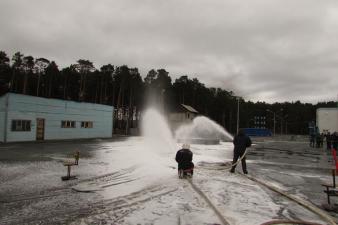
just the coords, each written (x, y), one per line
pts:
(84, 67)
(17, 67)
(28, 65)
(40, 67)
(5, 74)
(51, 71)
(106, 78)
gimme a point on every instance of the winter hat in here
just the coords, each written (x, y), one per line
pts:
(186, 146)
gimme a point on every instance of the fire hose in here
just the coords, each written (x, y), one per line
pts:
(299, 201)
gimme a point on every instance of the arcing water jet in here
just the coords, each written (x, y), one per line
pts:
(202, 130)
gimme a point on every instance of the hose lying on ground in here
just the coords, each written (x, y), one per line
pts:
(301, 202)
(211, 205)
(288, 222)
(298, 200)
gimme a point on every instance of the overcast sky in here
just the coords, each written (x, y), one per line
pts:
(263, 50)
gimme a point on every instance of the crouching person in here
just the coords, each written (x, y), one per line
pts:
(184, 160)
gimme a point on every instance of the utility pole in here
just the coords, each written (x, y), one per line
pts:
(284, 118)
(274, 124)
(6, 117)
(274, 121)
(237, 114)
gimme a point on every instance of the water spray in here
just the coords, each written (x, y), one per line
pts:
(202, 130)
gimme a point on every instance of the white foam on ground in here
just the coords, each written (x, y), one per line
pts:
(142, 163)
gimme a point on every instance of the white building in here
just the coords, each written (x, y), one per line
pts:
(327, 119)
(29, 118)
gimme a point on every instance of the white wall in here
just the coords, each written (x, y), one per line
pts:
(327, 119)
(2, 117)
(25, 107)
(177, 117)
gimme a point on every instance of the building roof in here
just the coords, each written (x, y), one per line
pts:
(328, 108)
(52, 101)
(189, 108)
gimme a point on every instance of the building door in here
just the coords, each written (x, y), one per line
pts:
(40, 129)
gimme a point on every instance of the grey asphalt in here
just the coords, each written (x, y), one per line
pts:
(297, 167)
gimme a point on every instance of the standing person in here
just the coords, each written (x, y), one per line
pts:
(318, 137)
(334, 140)
(184, 160)
(241, 142)
(77, 157)
(328, 140)
(321, 140)
(312, 140)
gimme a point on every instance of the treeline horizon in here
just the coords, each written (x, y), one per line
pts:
(124, 88)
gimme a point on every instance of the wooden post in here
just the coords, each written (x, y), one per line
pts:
(334, 178)
(68, 173)
(68, 176)
(328, 196)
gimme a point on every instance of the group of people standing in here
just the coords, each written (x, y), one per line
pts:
(331, 140)
(317, 140)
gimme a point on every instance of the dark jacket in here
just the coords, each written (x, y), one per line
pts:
(241, 142)
(184, 159)
(334, 140)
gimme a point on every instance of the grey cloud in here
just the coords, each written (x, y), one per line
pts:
(264, 50)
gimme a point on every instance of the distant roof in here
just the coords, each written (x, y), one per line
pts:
(189, 108)
(51, 100)
(331, 108)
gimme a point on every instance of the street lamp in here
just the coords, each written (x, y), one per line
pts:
(237, 114)
(274, 121)
(283, 118)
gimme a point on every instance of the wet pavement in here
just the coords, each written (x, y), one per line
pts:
(118, 183)
(297, 168)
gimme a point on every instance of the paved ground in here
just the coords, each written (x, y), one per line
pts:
(294, 165)
(298, 168)
(120, 189)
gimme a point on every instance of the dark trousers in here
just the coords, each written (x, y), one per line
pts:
(312, 143)
(328, 145)
(237, 155)
(186, 166)
(334, 144)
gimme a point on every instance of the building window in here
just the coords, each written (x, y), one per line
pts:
(87, 124)
(21, 125)
(67, 124)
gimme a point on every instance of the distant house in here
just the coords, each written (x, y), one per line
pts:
(29, 118)
(182, 114)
